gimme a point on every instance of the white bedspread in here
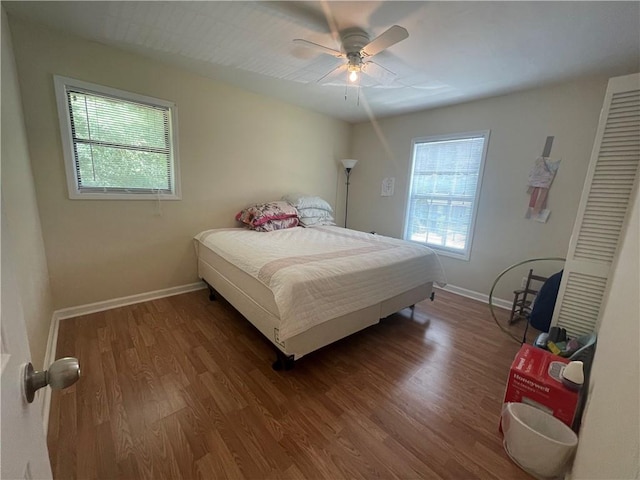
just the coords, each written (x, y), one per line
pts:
(321, 273)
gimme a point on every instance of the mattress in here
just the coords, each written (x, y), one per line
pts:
(307, 276)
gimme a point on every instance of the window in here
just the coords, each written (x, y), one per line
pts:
(444, 191)
(117, 145)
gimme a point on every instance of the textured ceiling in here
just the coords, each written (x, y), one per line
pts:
(456, 51)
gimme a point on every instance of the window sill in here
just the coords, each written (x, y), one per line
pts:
(464, 256)
(122, 196)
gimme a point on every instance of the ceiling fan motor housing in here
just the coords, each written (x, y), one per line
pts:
(353, 40)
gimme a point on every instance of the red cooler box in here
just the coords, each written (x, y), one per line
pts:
(535, 379)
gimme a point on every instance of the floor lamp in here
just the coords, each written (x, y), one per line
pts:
(348, 163)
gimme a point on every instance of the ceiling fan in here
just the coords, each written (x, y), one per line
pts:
(357, 49)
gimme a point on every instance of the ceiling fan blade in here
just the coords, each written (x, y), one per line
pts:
(380, 74)
(383, 41)
(303, 13)
(316, 46)
(336, 72)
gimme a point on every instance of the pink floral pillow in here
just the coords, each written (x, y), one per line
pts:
(258, 215)
(272, 225)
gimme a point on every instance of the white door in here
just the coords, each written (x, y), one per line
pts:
(22, 443)
(614, 172)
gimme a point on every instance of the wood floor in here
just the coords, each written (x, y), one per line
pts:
(183, 388)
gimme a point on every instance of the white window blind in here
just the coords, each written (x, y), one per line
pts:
(117, 144)
(445, 185)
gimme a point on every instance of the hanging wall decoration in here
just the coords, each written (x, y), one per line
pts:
(540, 179)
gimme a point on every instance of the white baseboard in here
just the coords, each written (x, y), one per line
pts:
(497, 302)
(123, 301)
(50, 355)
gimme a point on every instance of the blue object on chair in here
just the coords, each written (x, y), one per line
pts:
(540, 317)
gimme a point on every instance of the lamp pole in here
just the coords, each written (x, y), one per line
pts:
(348, 164)
(346, 203)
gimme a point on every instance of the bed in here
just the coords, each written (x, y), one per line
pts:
(304, 288)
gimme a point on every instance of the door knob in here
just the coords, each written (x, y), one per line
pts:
(61, 374)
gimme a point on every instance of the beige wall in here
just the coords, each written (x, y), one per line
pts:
(21, 210)
(235, 148)
(519, 124)
(612, 415)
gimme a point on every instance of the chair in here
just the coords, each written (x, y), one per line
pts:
(523, 298)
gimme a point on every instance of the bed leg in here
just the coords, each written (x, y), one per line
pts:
(212, 292)
(432, 296)
(283, 362)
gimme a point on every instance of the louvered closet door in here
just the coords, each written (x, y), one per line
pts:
(608, 191)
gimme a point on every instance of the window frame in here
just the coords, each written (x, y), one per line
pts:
(448, 251)
(64, 116)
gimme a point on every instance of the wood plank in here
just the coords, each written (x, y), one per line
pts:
(107, 461)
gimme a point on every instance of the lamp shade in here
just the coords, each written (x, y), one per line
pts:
(349, 162)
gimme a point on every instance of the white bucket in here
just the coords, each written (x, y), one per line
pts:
(538, 442)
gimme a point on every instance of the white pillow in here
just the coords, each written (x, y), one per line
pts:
(315, 221)
(301, 200)
(314, 212)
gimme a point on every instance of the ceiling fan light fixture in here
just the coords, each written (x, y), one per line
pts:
(354, 67)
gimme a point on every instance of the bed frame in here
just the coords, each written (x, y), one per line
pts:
(227, 280)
